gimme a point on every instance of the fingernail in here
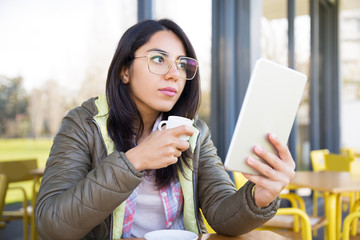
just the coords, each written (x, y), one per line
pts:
(259, 149)
(273, 136)
(251, 160)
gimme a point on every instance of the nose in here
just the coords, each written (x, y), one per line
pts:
(173, 73)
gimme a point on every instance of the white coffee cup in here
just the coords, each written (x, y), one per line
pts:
(175, 121)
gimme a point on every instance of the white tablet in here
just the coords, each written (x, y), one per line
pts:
(270, 106)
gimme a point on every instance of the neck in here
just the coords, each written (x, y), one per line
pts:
(148, 120)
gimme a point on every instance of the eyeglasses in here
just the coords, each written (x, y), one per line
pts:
(160, 63)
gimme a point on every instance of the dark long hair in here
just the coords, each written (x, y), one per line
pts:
(122, 109)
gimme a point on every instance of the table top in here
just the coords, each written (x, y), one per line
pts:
(327, 181)
(254, 235)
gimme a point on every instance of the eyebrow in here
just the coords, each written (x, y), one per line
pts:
(163, 52)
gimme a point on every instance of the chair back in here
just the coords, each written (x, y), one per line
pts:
(318, 159)
(239, 179)
(18, 170)
(338, 162)
(3, 190)
(347, 151)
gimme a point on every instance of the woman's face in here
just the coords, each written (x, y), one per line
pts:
(153, 93)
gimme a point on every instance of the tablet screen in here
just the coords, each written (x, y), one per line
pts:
(270, 106)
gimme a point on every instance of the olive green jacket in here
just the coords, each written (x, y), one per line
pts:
(83, 185)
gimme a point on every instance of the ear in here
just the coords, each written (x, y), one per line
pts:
(124, 75)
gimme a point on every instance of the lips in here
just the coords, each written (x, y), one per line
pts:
(168, 91)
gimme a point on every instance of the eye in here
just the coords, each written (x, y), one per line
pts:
(158, 59)
(182, 64)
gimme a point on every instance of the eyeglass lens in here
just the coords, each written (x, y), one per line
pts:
(160, 63)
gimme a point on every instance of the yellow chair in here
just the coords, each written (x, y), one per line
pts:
(347, 223)
(3, 190)
(339, 162)
(317, 158)
(208, 227)
(350, 225)
(18, 171)
(350, 152)
(280, 228)
(323, 160)
(239, 179)
(281, 221)
(293, 219)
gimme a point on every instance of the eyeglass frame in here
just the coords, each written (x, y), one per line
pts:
(172, 62)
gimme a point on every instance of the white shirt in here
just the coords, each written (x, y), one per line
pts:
(150, 213)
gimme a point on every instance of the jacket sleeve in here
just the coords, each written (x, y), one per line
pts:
(73, 197)
(228, 211)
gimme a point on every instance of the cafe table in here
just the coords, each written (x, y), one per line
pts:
(253, 235)
(332, 184)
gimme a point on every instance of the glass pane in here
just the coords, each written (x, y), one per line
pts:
(350, 72)
(192, 16)
(302, 60)
(274, 31)
(274, 43)
(62, 50)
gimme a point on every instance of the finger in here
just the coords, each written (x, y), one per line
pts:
(182, 145)
(175, 147)
(258, 180)
(282, 149)
(270, 158)
(275, 169)
(182, 130)
(273, 186)
(263, 168)
(172, 160)
(261, 181)
(177, 154)
(282, 172)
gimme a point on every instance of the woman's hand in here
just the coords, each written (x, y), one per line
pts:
(160, 149)
(276, 175)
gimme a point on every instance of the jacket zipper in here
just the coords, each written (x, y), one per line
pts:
(196, 208)
(98, 128)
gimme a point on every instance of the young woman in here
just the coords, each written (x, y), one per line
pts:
(112, 174)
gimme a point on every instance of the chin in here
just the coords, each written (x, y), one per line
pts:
(165, 108)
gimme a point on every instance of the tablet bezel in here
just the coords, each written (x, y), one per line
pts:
(270, 105)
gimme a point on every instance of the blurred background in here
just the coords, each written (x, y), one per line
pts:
(55, 54)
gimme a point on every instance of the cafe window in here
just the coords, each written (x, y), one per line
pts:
(349, 31)
(61, 50)
(274, 46)
(198, 29)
